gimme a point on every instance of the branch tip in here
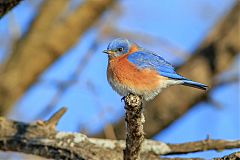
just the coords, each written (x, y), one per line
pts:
(53, 120)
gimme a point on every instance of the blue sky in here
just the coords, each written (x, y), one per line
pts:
(91, 99)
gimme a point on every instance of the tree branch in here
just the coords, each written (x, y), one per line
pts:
(134, 121)
(203, 145)
(212, 57)
(233, 156)
(7, 5)
(42, 139)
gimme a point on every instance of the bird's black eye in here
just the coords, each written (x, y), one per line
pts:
(120, 49)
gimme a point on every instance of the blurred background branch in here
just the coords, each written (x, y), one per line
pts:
(47, 39)
(7, 5)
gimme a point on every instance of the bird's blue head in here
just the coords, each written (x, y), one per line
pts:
(118, 47)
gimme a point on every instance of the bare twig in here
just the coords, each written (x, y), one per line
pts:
(233, 156)
(203, 145)
(7, 5)
(53, 120)
(134, 122)
(40, 139)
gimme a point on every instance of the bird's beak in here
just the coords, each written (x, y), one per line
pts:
(108, 51)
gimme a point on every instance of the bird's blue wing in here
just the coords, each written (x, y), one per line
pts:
(148, 59)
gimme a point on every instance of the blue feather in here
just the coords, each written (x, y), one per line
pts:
(195, 84)
(147, 59)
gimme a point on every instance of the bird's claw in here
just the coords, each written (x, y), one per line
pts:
(123, 98)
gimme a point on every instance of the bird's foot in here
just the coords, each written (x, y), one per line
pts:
(123, 98)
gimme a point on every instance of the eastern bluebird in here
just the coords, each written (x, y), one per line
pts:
(133, 69)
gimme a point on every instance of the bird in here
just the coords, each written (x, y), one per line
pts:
(135, 70)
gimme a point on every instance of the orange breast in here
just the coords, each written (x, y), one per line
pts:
(125, 73)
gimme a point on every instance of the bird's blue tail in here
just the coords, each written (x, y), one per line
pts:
(194, 84)
(185, 81)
